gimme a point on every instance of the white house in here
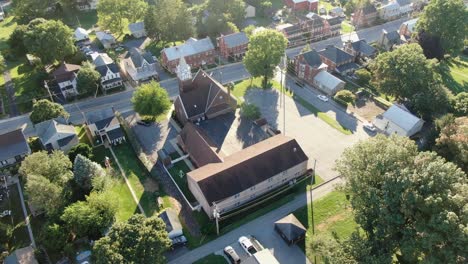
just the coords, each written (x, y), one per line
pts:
(398, 120)
(249, 11)
(56, 134)
(137, 29)
(389, 11)
(139, 65)
(104, 126)
(65, 77)
(328, 83)
(109, 71)
(106, 39)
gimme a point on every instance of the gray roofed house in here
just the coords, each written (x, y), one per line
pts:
(173, 225)
(388, 40)
(360, 49)
(56, 134)
(106, 39)
(398, 120)
(233, 46)
(337, 59)
(139, 65)
(137, 29)
(109, 71)
(104, 126)
(13, 148)
(191, 47)
(290, 229)
(312, 58)
(236, 39)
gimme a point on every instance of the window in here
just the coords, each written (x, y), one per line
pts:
(236, 196)
(252, 188)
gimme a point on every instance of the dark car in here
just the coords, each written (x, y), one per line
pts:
(178, 242)
(144, 123)
(232, 255)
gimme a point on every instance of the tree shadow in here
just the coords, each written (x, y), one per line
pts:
(267, 102)
(447, 78)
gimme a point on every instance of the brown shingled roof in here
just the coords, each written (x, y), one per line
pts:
(199, 146)
(248, 167)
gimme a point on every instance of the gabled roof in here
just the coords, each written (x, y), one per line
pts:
(333, 20)
(65, 72)
(198, 145)
(115, 133)
(100, 59)
(290, 227)
(392, 36)
(102, 36)
(312, 58)
(328, 80)
(170, 218)
(48, 129)
(364, 48)
(291, 29)
(13, 144)
(138, 56)
(236, 39)
(204, 93)
(103, 115)
(401, 117)
(248, 167)
(335, 54)
(81, 33)
(411, 24)
(190, 47)
(135, 27)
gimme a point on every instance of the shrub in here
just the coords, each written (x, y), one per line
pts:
(345, 96)
(363, 77)
(250, 111)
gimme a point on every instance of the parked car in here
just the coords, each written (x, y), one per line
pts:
(247, 245)
(370, 127)
(322, 98)
(144, 123)
(178, 241)
(231, 255)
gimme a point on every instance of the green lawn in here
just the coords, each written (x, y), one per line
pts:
(455, 74)
(81, 133)
(346, 27)
(181, 178)
(19, 237)
(144, 186)
(211, 259)
(241, 88)
(332, 215)
(6, 28)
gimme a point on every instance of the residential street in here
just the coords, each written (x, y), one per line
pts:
(263, 229)
(227, 73)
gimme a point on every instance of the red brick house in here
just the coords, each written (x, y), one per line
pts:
(233, 46)
(197, 53)
(314, 26)
(307, 65)
(364, 16)
(294, 33)
(332, 25)
(302, 5)
(337, 60)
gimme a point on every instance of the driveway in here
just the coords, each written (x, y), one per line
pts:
(318, 139)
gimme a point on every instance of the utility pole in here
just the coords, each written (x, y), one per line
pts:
(216, 216)
(46, 85)
(312, 204)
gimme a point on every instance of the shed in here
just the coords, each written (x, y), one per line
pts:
(173, 225)
(328, 83)
(398, 120)
(290, 229)
(81, 34)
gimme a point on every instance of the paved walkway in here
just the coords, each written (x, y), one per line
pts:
(10, 89)
(262, 229)
(135, 198)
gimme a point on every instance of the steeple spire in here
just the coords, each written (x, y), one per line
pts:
(183, 70)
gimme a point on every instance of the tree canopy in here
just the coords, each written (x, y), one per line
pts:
(264, 53)
(115, 15)
(139, 240)
(446, 20)
(87, 79)
(409, 204)
(45, 110)
(460, 104)
(91, 217)
(82, 149)
(50, 41)
(85, 170)
(169, 20)
(26, 10)
(406, 74)
(151, 100)
(452, 143)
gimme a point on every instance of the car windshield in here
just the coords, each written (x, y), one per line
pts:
(252, 250)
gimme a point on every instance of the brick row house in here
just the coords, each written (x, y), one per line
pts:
(332, 25)
(337, 60)
(233, 46)
(302, 5)
(364, 16)
(293, 33)
(197, 53)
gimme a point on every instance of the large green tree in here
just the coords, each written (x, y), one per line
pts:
(50, 41)
(460, 104)
(264, 53)
(406, 74)
(87, 79)
(410, 205)
(16, 40)
(452, 143)
(82, 149)
(26, 10)
(115, 15)
(45, 110)
(233, 10)
(85, 170)
(46, 178)
(91, 217)
(139, 240)
(151, 100)
(446, 20)
(169, 21)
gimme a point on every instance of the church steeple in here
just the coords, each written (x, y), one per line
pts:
(183, 70)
